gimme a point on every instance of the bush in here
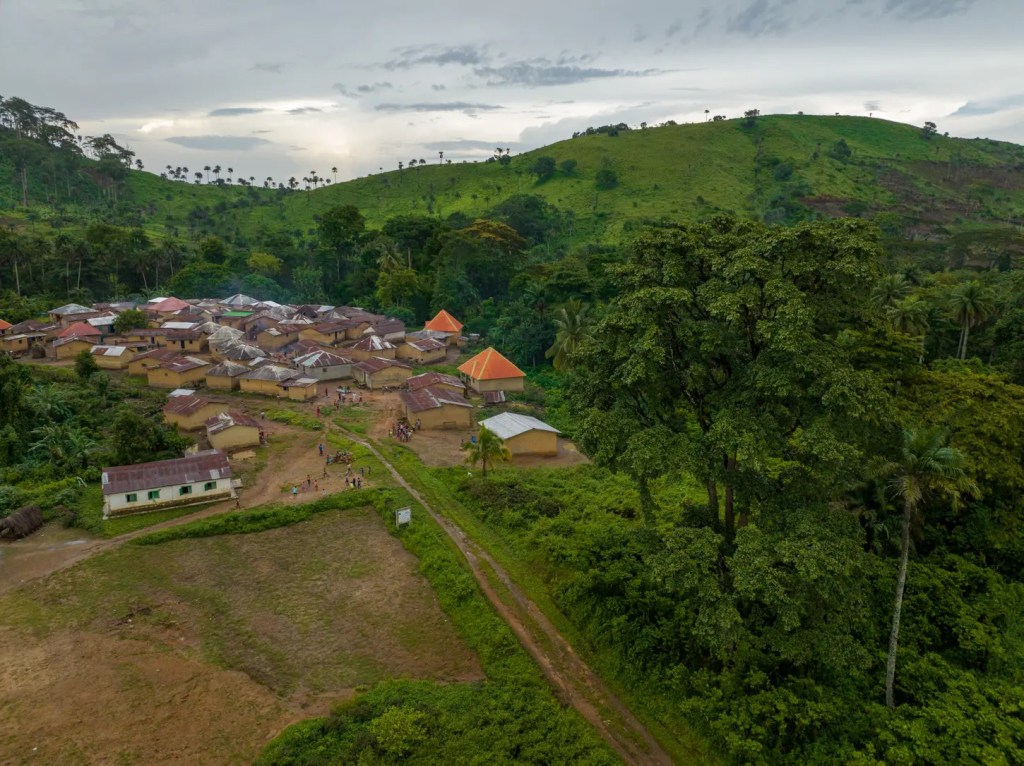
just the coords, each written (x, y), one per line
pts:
(606, 178)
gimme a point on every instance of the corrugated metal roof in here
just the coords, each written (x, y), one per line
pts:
(494, 397)
(272, 373)
(431, 398)
(186, 405)
(432, 379)
(225, 420)
(321, 358)
(376, 364)
(70, 308)
(428, 344)
(509, 424)
(227, 369)
(373, 343)
(207, 465)
(112, 351)
(184, 364)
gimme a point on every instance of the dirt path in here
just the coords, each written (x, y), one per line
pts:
(573, 680)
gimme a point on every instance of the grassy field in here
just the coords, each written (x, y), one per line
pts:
(226, 636)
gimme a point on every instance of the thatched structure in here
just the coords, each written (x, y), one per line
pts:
(22, 522)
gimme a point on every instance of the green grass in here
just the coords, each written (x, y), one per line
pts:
(295, 418)
(585, 489)
(681, 172)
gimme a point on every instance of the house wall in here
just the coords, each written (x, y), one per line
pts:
(407, 352)
(236, 437)
(114, 362)
(197, 346)
(299, 393)
(14, 345)
(447, 416)
(533, 443)
(159, 377)
(318, 337)
(362, 356)
(389, 376)
(270, 342)
(194, 420)
(334, 372)
(222, 382)
(263, 387)
(71, 350)
(170, 497)
(498, 384)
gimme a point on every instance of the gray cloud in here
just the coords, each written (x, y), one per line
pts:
(872, 106)
(446, 106)
(305, 110)
(993, 106)
(440, 55)
(438, 87)
(926, 9)
(361, 90)
(674, 28)
(639, 34)
(235, 111)
(218, 143)
(271, 67)
(761, 17)
(377, 86)
(543, 72)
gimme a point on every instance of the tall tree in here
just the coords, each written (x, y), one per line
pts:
(971, 304)
(572, 329)
(927, 463)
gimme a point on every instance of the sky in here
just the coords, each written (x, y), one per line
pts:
(282, 88)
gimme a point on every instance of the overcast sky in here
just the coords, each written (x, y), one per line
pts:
(280, 88)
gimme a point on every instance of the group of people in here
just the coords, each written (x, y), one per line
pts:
(403, 430)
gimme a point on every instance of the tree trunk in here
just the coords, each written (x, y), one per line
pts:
(24, 186)
(17, 278)
(901, 582)
(967, 333)
(713, 502)
(730, 511)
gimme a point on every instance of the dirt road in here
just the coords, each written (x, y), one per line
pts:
(573, 680)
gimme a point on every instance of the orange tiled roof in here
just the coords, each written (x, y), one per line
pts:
(444, 322)
(5, 325)
(490, 365)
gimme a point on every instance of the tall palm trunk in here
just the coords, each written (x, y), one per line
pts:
(901, 582)
(963, 342)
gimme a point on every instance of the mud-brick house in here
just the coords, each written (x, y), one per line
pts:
(523, 434)
(334, 332)
(265, 380)
(324, 365)
(447, 325)
(370, 347)
(436, 380)
(224, 376)
(232, 430)
(4, 327)
(389, 328)
(425, 351)
(113, 357)
(490, 371)
(199, 478)
(191, 341)
(236, 319)
(300, 388)
(278, 337)
(68, 313)
(69, 347)
(148, 360)
(377, 373)
(20, 343)
(437, 408)
(180, 372)
(190, 412)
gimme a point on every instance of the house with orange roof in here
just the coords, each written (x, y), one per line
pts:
(490, 371)
(448, 325)
(4, 326)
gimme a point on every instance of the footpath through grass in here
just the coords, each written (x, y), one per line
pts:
(508, 537)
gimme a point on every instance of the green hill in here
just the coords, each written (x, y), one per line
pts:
(782, 168)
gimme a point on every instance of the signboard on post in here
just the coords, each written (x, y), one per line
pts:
(403, 516)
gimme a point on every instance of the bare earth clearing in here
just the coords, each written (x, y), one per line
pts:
(202, 650)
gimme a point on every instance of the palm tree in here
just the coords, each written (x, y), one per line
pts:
(207, 169)
(335, 171)
(972, 304)
(572, 328)
(888, 291)
(489, 448)
(927, 463)
(440, 157)
(911, 316)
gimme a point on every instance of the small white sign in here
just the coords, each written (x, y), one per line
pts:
(403, 516)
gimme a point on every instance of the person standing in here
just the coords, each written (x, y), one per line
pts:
(295, 491)
(321, 448)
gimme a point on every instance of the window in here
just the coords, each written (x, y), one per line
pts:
(131, 497)
(184, 490)
(154, 494)
(209, 485)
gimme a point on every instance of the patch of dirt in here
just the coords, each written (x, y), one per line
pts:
(201, 651)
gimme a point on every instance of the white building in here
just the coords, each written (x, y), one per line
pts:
(199, 478)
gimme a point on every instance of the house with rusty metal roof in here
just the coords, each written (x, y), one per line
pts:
(422, 351)
(233, 431)
(199, 478)
(224, 376)
(178, 372)
(378, 372)
(450, 382)
(369, 347)
(437, 408)
(324, 365)
(190, 412)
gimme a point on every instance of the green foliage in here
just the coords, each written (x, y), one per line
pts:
(85, 364)
(543, 167)
(130, 320)
(488, 449)
(295, 418)
(606, 179)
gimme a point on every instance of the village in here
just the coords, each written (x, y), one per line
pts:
(224, 362)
